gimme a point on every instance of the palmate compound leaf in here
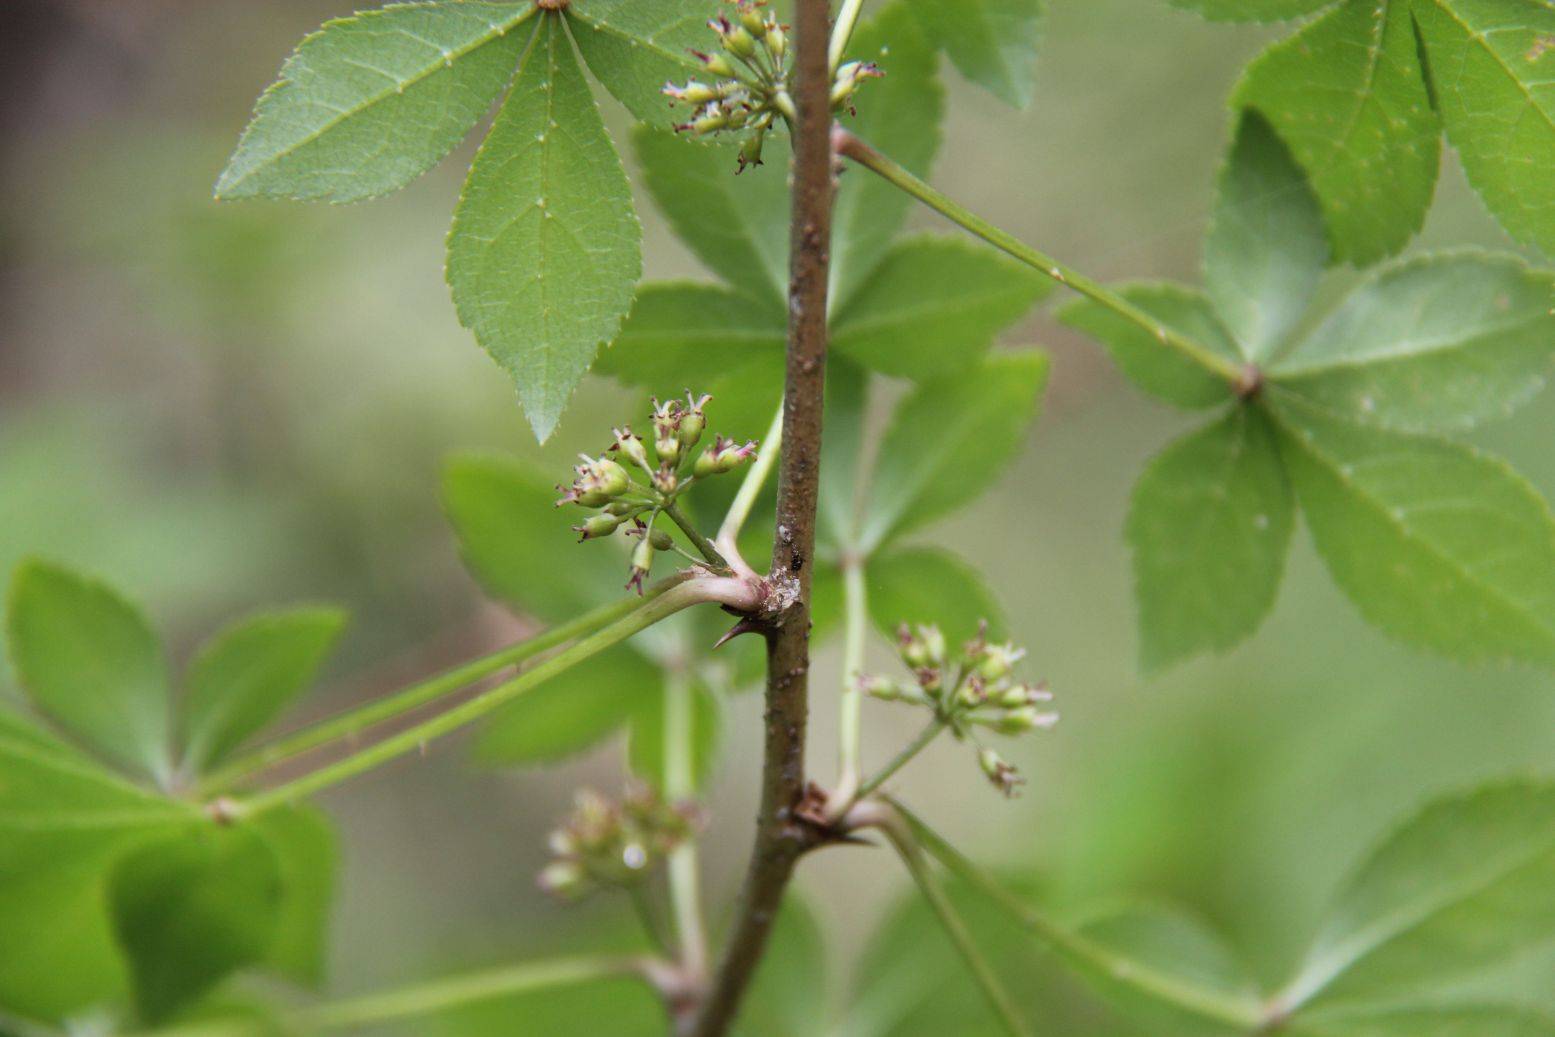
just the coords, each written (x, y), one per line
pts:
(1437, 544)
(545, 247)
(1210, 527)
(1437, 342)
(1347, 94)
(369, 103)
(992, 42)
(1465, 883)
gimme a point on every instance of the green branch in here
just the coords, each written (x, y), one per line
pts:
(414, 738)
(352, 722)
(842, 31)
(700, 542)
(1084, 954)
(849, 146)
(684, 869)
(455, 992)
(908, 848)
(855, 611)
(750, 488)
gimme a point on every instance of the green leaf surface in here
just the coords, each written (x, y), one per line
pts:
(930, 585)
(1437, 544)
(932, 307)
(791, 983)
(843, 482)
(1437, 342)
(646, 745)
(64, 818)
(88, 660)
(244, 677)
(545, 247)
(1209, 527)
(949, 440)
(899, 114)
(570, 712)
(1435, 1021)
(1467, 882)
(306, 855)
(1251, 10)
(634, 46)
(369, 103)
(992, 42)
(1167, 947)
(1143, 358)
(737, 225)
(1490, 64)
(1348, 95)
(191, 909)
(518, 544)
(690, 335)
(1267, 245)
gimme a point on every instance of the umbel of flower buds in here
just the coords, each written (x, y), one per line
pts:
(598, 483)
(975, 689)
(605, 843)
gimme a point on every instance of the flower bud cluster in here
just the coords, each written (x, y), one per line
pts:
(631, 484)
(748, 73)
(974, 689)
(613, 844)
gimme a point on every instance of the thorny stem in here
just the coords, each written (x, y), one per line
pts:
(750, 489)
(1092, 957)
(352, 722)
(700, 542)
(780, 836)
(724, 590)
(842, 31)
(680, 784)
(852, 147)
(454, 992)
(908, 848)
(850, 701)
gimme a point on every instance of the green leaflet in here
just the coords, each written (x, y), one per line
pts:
(992, 42)
(1266, 247)
(634, 46)
(545, 246)
(1209, 526)
(1347, 95)
(1443, 341)
(192, 908)
(1437, 544)
(88, 660)
(736, 224)
(245, 676)
(304, 845)
(932, 306)
(900, 114)
(369, 103)
(685, 334)
(1490, 64)
(569, 713)
(930, 585)
(1431, 1021)
(1463, 884)
(1141, 356)
(949, 440)
(1251, 10)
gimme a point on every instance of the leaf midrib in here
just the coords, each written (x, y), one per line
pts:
(495, 32)
(1481, 39)
(1432, 347)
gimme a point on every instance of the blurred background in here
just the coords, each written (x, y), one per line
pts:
(221, 407)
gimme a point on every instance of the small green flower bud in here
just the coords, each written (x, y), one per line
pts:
(596, 526)
(883, 688)
(718, 65)
(623, 508)
(739, 42)
(692, 420)
(692, 93)
(923, 650)
(564, 879)
(775, 41)
(972, 692)
(598, 482)
(1003, 776)
(630, 447)
(664, 479)
(723, 456)
(750, 151)
(1026, 718)
(642, 561)
(661, 540)
(711, 123)
(754, 23)
(996, 661)
(931, 679)
(1024, 695)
